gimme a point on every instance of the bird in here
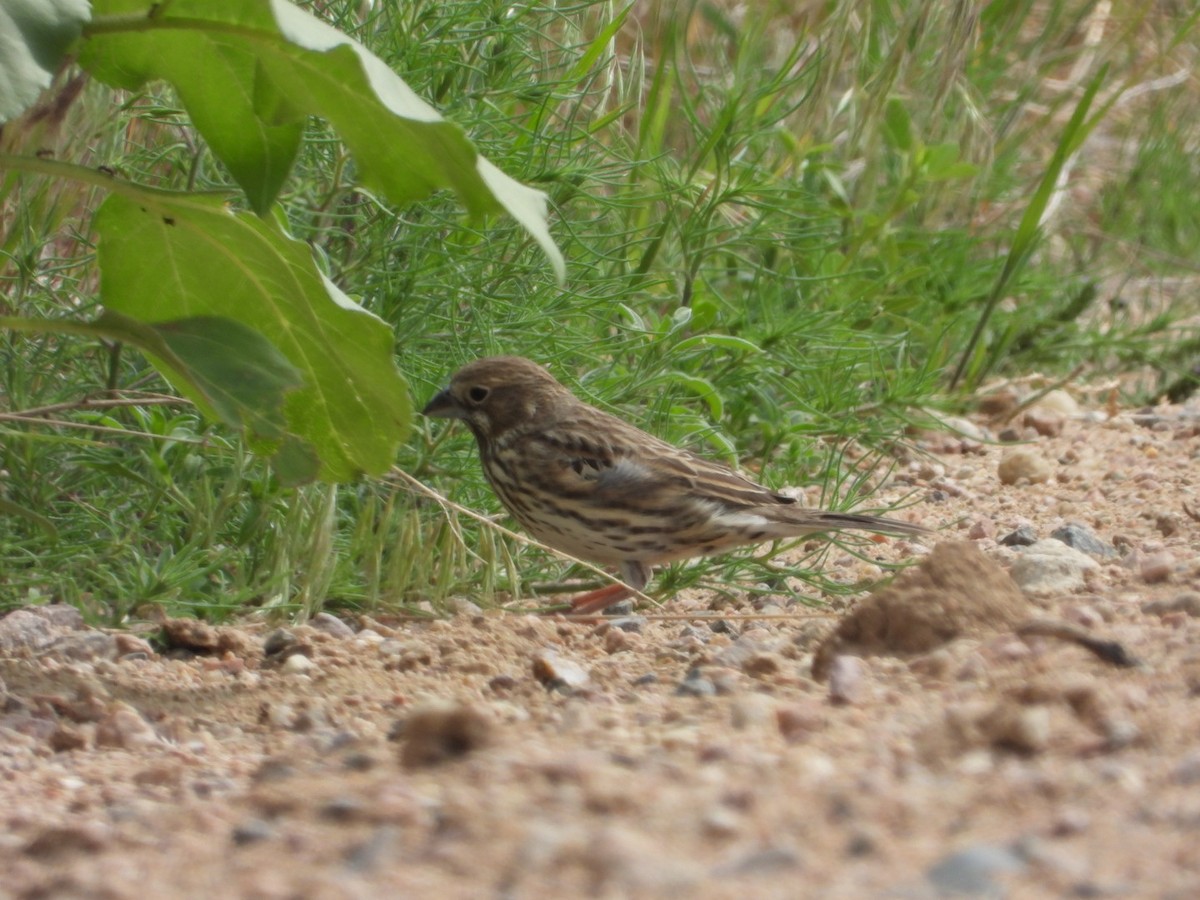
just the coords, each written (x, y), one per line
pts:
(599, 489)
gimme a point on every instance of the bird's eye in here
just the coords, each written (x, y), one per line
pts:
(477, 394)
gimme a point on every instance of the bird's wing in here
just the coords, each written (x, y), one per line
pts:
(605, 458)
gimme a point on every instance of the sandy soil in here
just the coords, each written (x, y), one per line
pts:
(963, 737)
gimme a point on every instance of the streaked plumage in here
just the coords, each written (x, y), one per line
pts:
(589, 484)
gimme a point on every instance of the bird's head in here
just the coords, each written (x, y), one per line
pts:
(497, 393)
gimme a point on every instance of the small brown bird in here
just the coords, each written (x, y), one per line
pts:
(594, 486)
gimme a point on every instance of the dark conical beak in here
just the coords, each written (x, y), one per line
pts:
(442, 406)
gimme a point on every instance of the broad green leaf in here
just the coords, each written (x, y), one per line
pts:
(243, 376)
(34, 36)
(165, 256)
(228, 369)
(248, 71)
(233, 372)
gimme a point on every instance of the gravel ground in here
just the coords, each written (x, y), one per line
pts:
(1012, 717)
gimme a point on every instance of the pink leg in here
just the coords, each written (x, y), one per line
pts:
(599, 600)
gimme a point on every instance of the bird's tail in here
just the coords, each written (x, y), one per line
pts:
(836, 521)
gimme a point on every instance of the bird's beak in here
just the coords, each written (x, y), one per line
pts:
(442, 406)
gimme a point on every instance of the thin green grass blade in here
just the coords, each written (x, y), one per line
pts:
(1029, 230)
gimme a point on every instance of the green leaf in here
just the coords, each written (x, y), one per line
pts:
(599, 45)
(34, 37)
(702, 388)
(729, 342)
(165, 257)
(941, 163)
(230, 371)
(8, 508)
(242, 374)
(248, 71)
(938, 157)
(897, 126)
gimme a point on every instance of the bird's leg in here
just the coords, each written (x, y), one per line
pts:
(635, 575)
(599, 599)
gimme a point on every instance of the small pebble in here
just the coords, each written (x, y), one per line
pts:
(278, 715)
(1083, 615)
(68, 738)
(1187, 770)
(632, 624)
(1082, 539)
(331, 625)
(998, 403)
(252, 831)
(1120, 733)
(846, 681)
(1070, 821)
(751, 710)
(368, 855)
(1022, 537)
(739, 653)
(442, 730)
(1157, 567)
(83, 646)
(461, 606)
(762, 862)
(1025, 729)
(721, 822)
(695, 684)
(1023, 463)
(1010, 435)
(763, 664)
(557, 673)
(346, 808)
(726, 681)
(58, 841)
(1168, 524)
(190, 634)
(971, 872)
(278, 642)
(24, 628)
(1045, 422)
(502, 684)
(622, 610)
(1187, 603)
(298, 664)
(130, 646)
(798, 721)
(616, 641)
(124, 727)
(1051, 567)
(60, 615)
(981, 529)
(1058, 401)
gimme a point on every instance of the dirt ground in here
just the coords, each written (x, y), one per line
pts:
(954, 734)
